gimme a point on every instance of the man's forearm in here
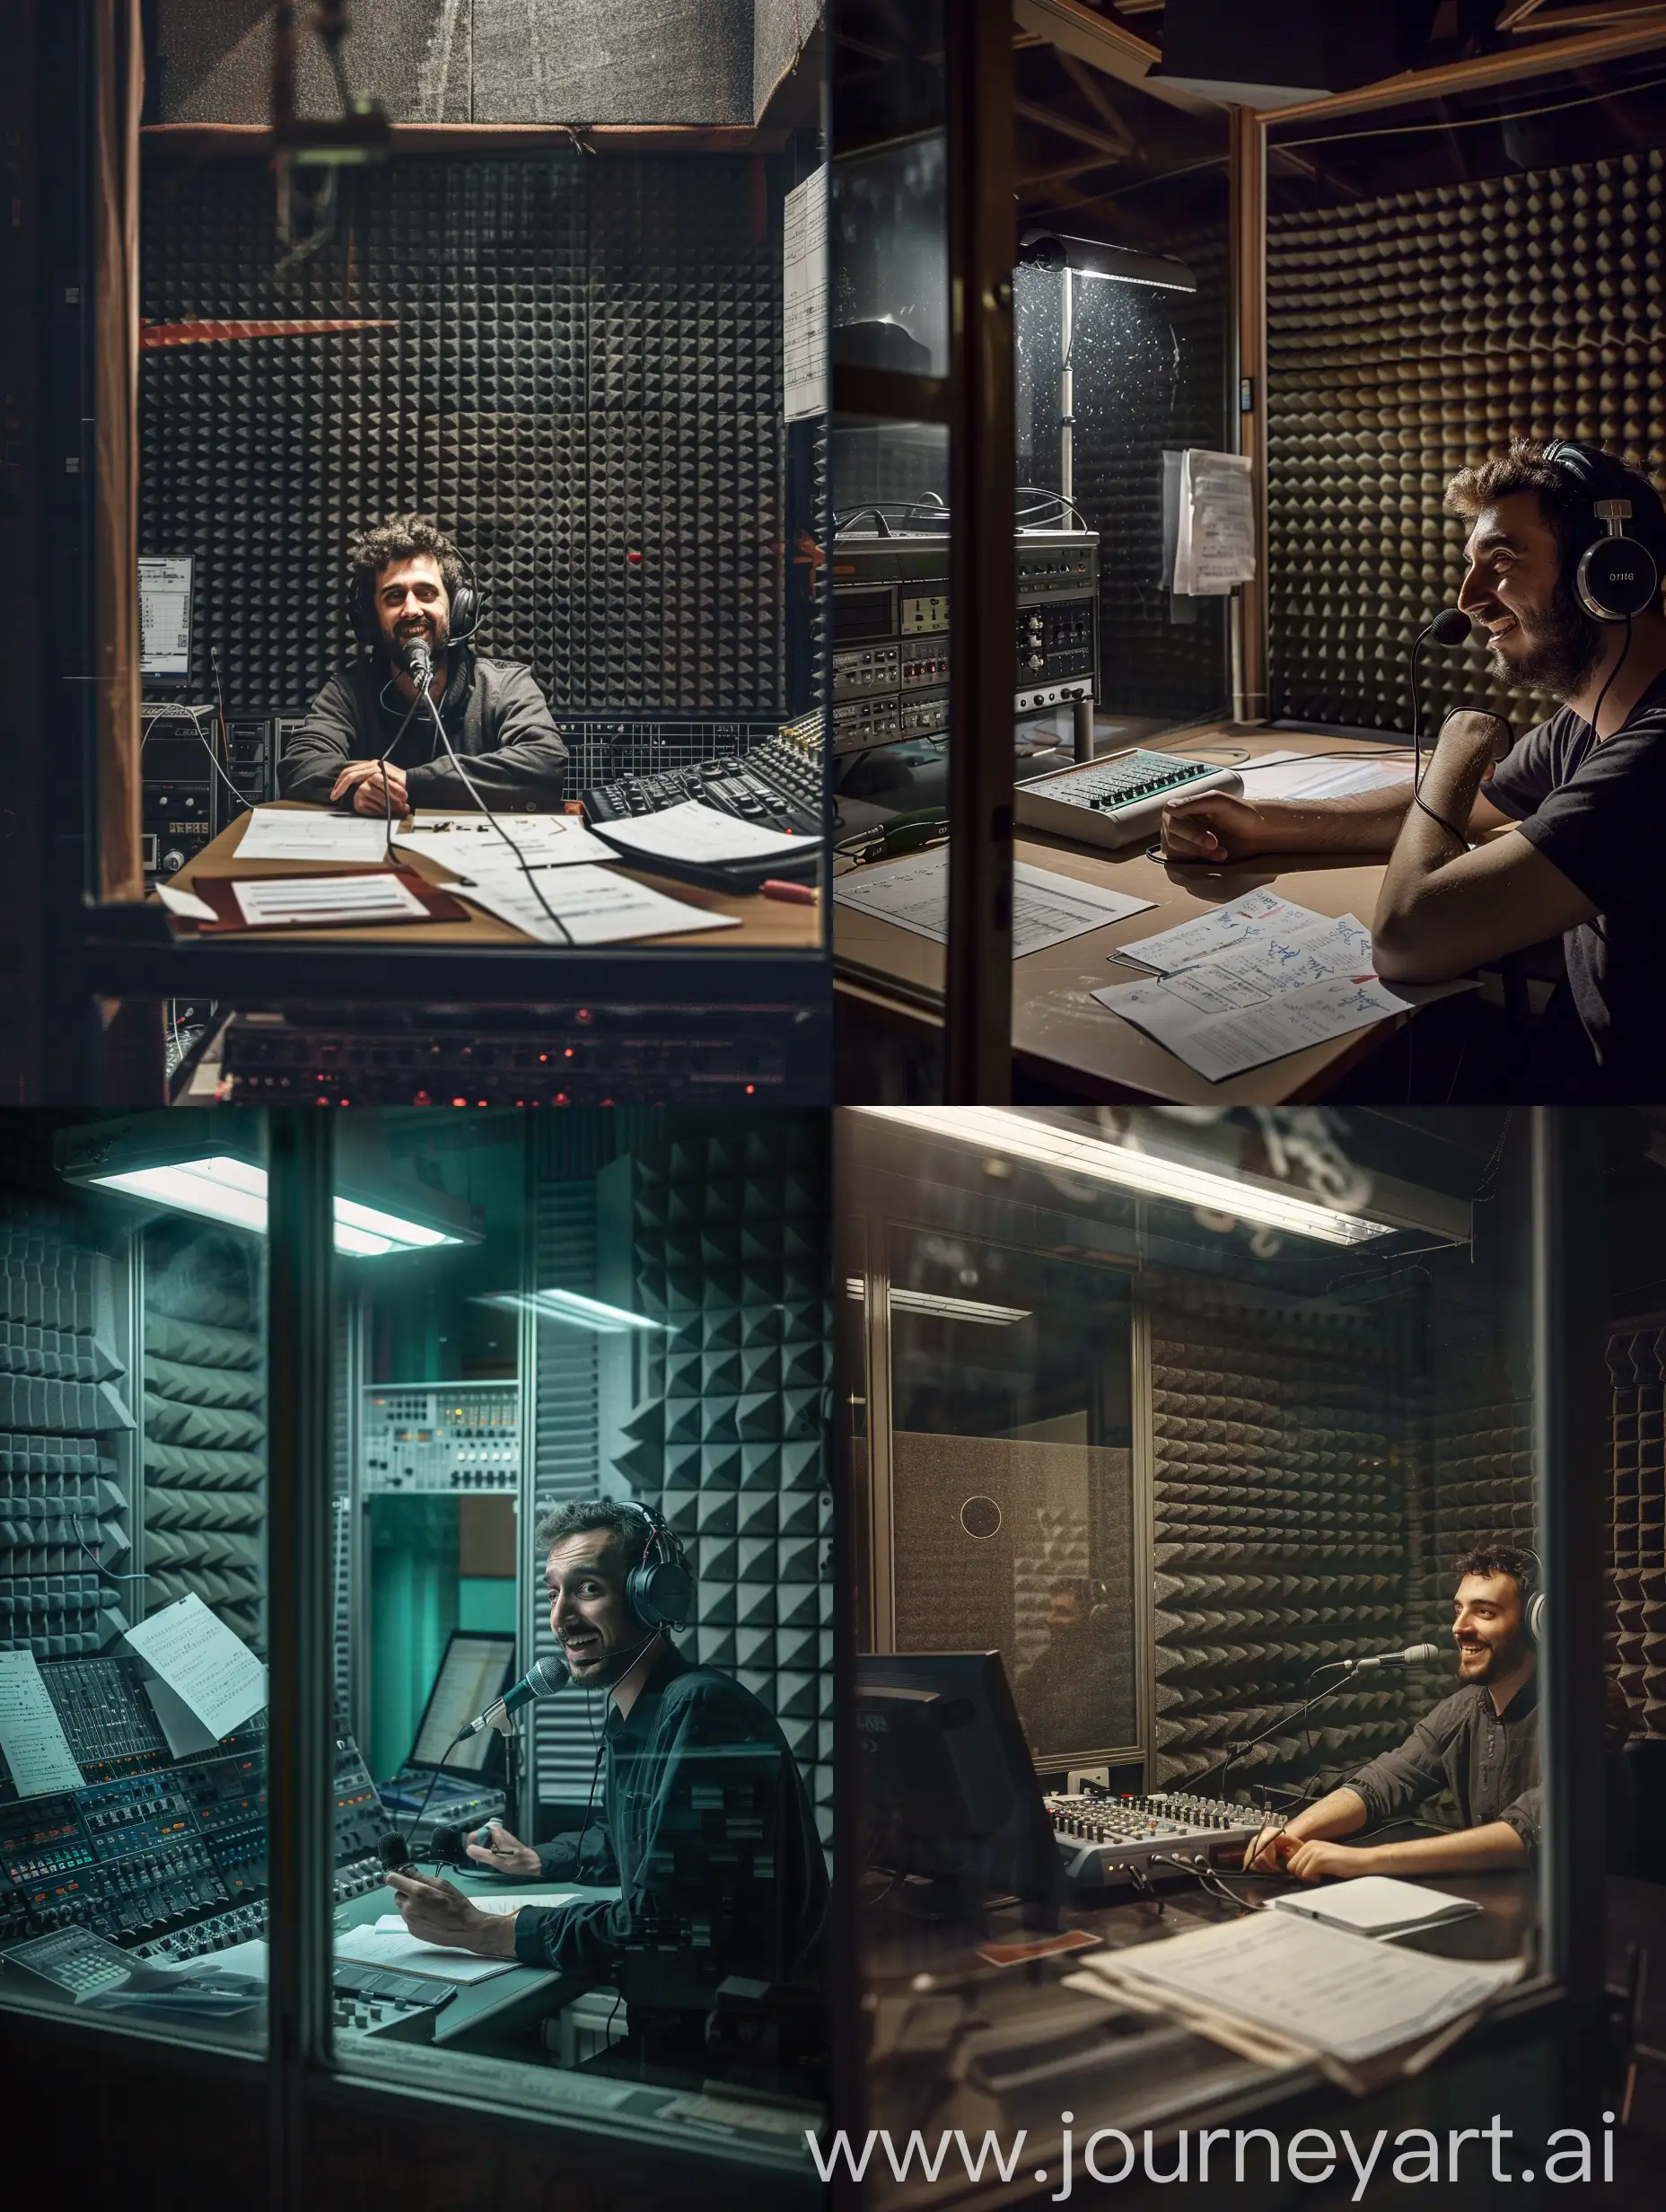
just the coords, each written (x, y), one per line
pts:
(1436, 833)
(1366, 821)
(1469, 1850)
(1339, 1815)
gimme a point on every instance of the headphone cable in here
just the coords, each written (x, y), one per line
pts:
(525, 865)
(1596, 712)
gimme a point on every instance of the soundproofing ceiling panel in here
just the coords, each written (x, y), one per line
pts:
(573, 362)
(1411, 335)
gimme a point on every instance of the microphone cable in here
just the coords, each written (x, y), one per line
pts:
(524, 865)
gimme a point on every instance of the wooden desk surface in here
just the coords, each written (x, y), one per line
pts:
(1063, 1035)
(768, 924)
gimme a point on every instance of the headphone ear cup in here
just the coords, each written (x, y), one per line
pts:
(659, 1590)
(465, 613)
(1536, 1615)
(1617, 579)
(361, 616)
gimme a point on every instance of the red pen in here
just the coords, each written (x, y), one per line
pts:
(795, 894)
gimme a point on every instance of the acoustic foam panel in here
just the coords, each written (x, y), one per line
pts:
(575, 366)
(1410, 335)
(1637, 1639)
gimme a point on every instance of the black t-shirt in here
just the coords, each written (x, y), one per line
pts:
(1595, 812)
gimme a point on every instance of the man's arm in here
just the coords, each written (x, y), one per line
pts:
(1468, 1850)
(526, 758)
(1442, 910)
(321, 748)
(1338, 1814)
(1216, 827)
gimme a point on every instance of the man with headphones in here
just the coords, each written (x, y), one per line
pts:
(373, 744)
(1506, 845)
(706, 1823)
(1481, 1743)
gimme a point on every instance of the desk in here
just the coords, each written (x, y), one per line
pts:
(1064, 1037)
(506, 2001)
(1054, 2048)
(767, 925)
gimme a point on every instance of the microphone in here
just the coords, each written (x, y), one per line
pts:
(1413, 1655)
(395, 1855)
(416, 659)
(542, 1680)
(1450, 626)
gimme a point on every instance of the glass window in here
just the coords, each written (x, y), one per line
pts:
(581, 1459)
(133, 1540)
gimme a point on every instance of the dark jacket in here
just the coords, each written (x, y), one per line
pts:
(709, 1830)
(1488, 1760)
(495, 715)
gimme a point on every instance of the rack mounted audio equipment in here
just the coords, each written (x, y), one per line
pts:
(776, 785)
(447, 1439)
(1100, 1837)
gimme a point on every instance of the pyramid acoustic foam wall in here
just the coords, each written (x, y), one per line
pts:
(65, 1412)
(573, 362)
(1407, 336)
(204, 1425)
(1637, 1526)
(1283, 1450)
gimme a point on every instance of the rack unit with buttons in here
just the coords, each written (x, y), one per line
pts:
(1101, 1839)
(442, 1439)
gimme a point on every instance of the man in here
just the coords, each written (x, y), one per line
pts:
(1481, 1743)
(406, 575)
(1061, 1692)
(1563, 839)
(706, 1825)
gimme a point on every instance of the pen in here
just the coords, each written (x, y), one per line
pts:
(794, 894)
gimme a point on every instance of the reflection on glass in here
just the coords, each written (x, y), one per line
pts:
(891, 299)
(133, 1627)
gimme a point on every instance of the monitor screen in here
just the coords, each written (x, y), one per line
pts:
(477, 1668)
(166, 615)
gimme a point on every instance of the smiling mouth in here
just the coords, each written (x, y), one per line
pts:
(1495, 631)
(584, 1646)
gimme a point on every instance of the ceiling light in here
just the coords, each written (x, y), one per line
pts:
(1092, 257)
(951, 1309)
(1150, 1174)
(221, 1187)
(573, 1307)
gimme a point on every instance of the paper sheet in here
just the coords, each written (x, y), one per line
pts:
(31, 1735)
(268, 900)
(1265, 965)
(1377, 1905)
(1216, 543)
(179, 901)
(705, 834)
(594, 907)
(1254, 913)
(511, 1901)
(295, 833)
(471, 845)
(197, 1656)
(400, 1952)
(1218, 1045)
(804, 297)
(913, 892)
(1298, 775)
(1282, 1972)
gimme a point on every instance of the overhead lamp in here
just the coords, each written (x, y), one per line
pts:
(220, 1185)
(573, 1307)
(1155, 1175)
(951, 1309)
(1092, 257)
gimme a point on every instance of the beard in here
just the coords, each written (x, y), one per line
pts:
(1565, 646)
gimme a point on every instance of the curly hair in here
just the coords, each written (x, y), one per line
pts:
(401, 538)
(577, 1516)
(1499, 1558)
(1564, 502)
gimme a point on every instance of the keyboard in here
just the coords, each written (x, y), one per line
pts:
(1114, 801)
(776, 785)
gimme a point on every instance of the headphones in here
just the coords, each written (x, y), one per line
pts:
(466, 613)
(659, 1590)
(1618, 577)
(1533, 1601)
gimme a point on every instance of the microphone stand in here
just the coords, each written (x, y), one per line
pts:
(1307, 1703)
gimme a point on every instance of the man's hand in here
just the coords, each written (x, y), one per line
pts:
(1263, 1855)
(1314, 1860)
(506, 1853)
(436, 1913)
(1214, 826)
(378, 787)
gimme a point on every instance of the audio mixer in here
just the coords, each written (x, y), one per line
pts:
(1100, 1837)
(445, 1438)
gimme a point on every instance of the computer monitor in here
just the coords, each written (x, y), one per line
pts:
(946, 1789)
(166, 616)
(478, 1667)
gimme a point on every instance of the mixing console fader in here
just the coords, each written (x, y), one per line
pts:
(1099, 1838)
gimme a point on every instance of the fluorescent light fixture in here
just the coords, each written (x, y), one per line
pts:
(1148, 1175)
(950, 1309)
(1092, 257)
(226, 1189)
(571, 1306)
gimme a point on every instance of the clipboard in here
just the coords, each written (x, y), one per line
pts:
(220, 893)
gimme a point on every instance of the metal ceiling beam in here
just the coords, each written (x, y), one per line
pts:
(1075, 30)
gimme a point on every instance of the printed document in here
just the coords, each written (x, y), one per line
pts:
(1301, 776)
(804, 297)
(1218, 1045)
(211, 1671)
(913, 892)
(295, 833)
(1254, 913)
(696, 833)
(593, 905)
(1215, 545)
(31, 1735)
(296, 900)
(471, 846)
(390, 1944)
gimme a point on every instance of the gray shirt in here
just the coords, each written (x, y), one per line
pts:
(494, 713)
(1488, 1760)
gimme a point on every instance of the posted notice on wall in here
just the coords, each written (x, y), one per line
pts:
(804, 297)
(32, 1734)
(1213, 519)
(206, 1679)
